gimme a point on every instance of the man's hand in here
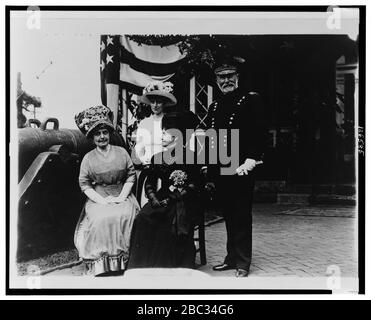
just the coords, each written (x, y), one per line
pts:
(248, 165)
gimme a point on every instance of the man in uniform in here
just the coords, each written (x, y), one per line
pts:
(242, 110)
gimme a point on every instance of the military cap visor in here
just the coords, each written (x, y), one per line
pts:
(225, 69)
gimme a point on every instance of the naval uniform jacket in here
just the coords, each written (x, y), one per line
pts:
(243, 111)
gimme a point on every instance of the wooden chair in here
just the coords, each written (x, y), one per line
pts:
(200, 227)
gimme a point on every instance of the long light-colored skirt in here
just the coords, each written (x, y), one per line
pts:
(102, 235)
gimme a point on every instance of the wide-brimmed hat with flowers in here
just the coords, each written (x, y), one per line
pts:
(91, 118)
(162, 89)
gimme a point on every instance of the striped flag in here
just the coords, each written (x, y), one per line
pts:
(110, 72)
(124, 64)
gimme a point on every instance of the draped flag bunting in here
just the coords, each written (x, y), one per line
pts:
(110, 72)
(124, 64)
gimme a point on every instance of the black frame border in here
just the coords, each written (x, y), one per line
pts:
(216, 8)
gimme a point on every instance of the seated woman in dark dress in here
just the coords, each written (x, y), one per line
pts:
(163, 230)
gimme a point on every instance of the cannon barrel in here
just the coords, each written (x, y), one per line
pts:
(33, 141)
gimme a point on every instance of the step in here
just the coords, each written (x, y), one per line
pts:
(293, 198)
(299, 188)
(345, 189)
(270, 186)
(328, 199)
(333, 199)
(342, 189)
(265, 197)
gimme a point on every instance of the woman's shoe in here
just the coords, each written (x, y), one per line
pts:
(223, 267)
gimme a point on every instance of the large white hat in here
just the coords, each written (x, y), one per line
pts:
(162, 89)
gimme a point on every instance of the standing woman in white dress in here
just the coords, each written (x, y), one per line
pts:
(159, 96)
(106, 177)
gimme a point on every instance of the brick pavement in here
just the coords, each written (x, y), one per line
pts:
(287, 244)
(293, 245)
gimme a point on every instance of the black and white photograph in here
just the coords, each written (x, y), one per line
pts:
(186, 149)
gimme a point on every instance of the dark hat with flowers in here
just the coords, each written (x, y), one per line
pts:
(94, 117)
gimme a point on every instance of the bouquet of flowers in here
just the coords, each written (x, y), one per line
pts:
(178, 179)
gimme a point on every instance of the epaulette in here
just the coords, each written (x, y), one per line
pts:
(253, 93)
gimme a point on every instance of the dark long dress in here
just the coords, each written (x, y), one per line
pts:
(162, 237)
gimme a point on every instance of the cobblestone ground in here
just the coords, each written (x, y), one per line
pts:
(287, 241)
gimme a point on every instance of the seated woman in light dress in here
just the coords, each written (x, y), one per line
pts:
(149, 133)
(106, 177)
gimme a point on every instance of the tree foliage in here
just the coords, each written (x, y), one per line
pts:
(25, 102)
